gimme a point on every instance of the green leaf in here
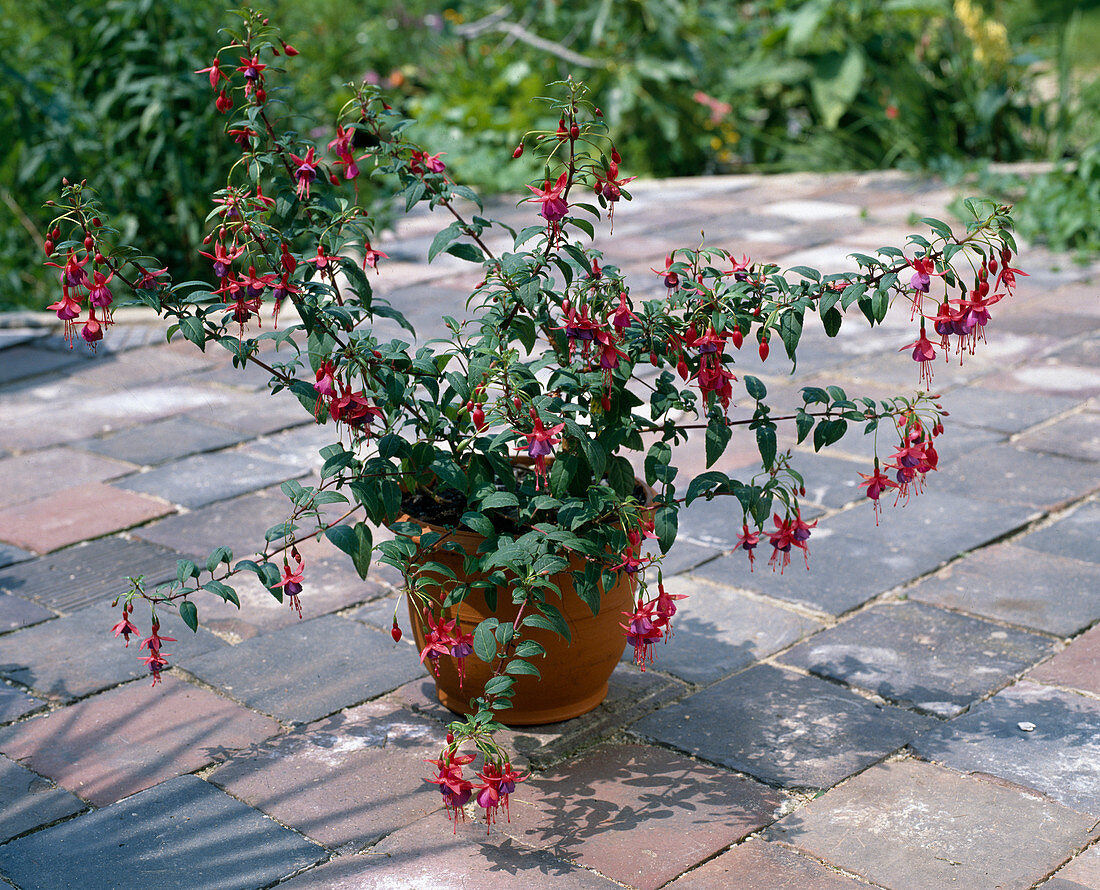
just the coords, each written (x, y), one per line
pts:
(766, 443)
(194, 330)
(186, 569)
(517, 666)
(836, 84)
(465, 251)
(190, 615)
(665, 522)
(529, 649)
(549, 619)
(499, 685)
(804, 423)
(703, 482)
(755, 387)
(831, 320)
(217, 556)
(499, 499)
(479, 522)
(620, 475)
(226, 592)
(485, 643)
(356, 541)
(718, 436)
(828, 432)
(444, 239)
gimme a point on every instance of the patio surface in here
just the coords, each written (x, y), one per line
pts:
(920, 711)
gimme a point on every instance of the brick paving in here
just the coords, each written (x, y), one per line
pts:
(920, 711)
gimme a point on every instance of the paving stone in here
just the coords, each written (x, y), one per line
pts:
(16, 336)
(9, 555)
(1077, 666)
(260, 415)
(16, 612)
(1085, 351)
(756, 865)
(283, 673)
(1056, 378)
(1060, 757)
(784, 728)
(15, 704)
(734, 630)
(915, 826)
(28, 360)
(134, 737)
(676, 812)
(152, 839)
(156, 443)
(1083, 873)
(345, 781)
(143, 364)
(1006, 412)
(205, 478)
(1076, 535)
(1076, 436)
(1019, 585)
(429, 854)
(74, 656)
(685, 556)
(298, 447)
(27, 801)
(89, 573)
(38, 473)
(852, 560)
(630, 694)
(920, 656)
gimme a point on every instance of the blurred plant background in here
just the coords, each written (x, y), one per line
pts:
(104, 89)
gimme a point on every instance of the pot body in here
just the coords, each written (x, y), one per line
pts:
(574, 675)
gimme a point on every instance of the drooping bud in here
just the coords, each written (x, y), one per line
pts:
(518, 151)
(395, 632)
(764, 348)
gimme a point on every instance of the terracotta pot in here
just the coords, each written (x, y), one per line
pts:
(574, 675)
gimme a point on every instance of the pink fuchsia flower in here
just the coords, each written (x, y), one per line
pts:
(215, 73)
(222, 258)
(554, 206)
(461, 649)
(664, 608)
(540, 444)
(156, 659)
(923, 270)
(439, 640)
(497, 782)
(925, 353)
(620, 319)
(456, 789)
(354, 411)
(641, 633)
(610, 188)
(125, 627)
(148, 279)
(748, 542)
(789, 533)
(99, 294)
(305, 172)
(291, 583)
(739, 268)
(372, 256)
(876, 483)
(670, 278)
(92, 331)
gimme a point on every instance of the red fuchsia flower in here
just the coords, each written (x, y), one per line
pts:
(252, 69)
(92, 331)
(148, 278)
(243, 136)
(748, 541)
(876, 484)
(354, 411)
(578, 327)
(215, 73)
(923, 270)
(664, 608)
(641, 633)
(540, 444)
(611, 189)
(372, 256)
(322, 260)
(462, 648)
(222, 258)
(630, 562)
(554, 206)
(670, 278)
(621, 317)
(788, 533)
(72, 273)
(280, 292)
(305, 172)
(99, 294)
(714, 377)
(739, 269)
(254, 284)
(156, 658)
(610, 354)
(456, 789)
(291, 585)
(125, 627)
(440, 639)
(262, 201)
(223, 103)
(925, 353)
(497, 782)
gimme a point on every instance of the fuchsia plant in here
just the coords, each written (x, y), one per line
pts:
(559, 362)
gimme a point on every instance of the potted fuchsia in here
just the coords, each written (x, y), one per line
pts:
(503, 460)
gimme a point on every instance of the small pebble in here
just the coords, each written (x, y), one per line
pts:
(1026, 727)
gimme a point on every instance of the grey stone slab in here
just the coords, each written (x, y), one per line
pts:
(10, 554)
(310, 669)
(29, 360)
(853, 560)
(76, 655)
(1010, 475)
(156, 443)
(205, 478)
(1060, 757)
(686, 555)
(1005, 412)
(915, 826)
(1076, 535)
(88, 573)
(14, 704)
(1020, 585)
(784, 728)
(153, 839)
(1083, 873)
(1075, 436)
(732, 629)
(27, 800)
(920, 656)
(259, 414)
(16, 336)
(297, 447)
(16, 612)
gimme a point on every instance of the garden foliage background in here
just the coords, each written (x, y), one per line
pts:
(105, 91)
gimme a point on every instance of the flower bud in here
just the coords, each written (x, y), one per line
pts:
(95, 222)
(395, 632)
(764, 349)
(518, 151)
(49, 247)
(99, 260)
(89, 243)
(574, 132)
(56, 233)
(737, 338)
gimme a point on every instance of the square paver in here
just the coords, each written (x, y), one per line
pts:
(915, 826)
(1005, 412)
(16, 612)
(27, 801)
(1011, 583)
(76, 514)
(89, 574)
(152, 839)
(131, 738)
(1076, 535)
(431, 853)
(35, 474)
(152, 444)
(1011, 475)
(76, 655)
(310, 669)
(10, 555)
(1060, 756)
(1083, 873)
(756, 865)
(853, 560)
(920, 656)
(784, 728)
(732, 629)
(29, 360)
(205, 478)
(1076, 436)
(1077, 666)
(15, 704)
(345, 781)
(676, 812)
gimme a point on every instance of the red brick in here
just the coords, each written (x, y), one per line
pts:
(756, 865)
(131, 738)
(40, 473)
(76, 514)
(1078, 666)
